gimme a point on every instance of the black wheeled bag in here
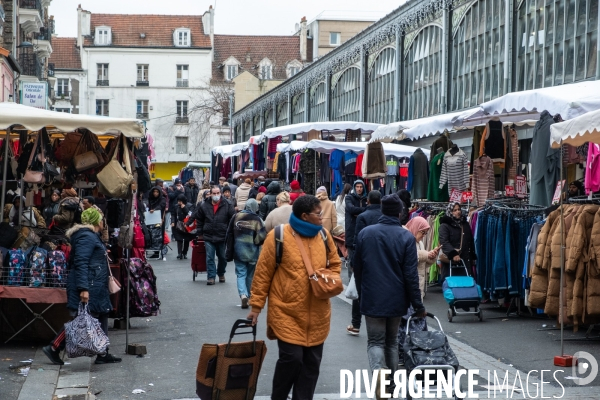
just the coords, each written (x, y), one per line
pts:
(230, 371)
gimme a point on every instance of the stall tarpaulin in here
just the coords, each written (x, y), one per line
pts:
(570, 101)
(231, 150)
(35, 119)
(576, 131)
(327, 147)
(332, 126)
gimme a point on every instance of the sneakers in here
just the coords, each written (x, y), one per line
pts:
(222, 278)
(53, 355)
(210, 282)
(244, 301)
(107, 359)
(352, 330)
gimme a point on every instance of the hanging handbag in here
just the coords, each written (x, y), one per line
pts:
(114, 179)
(32, 176)
(324, 282)
(88, 159)
(125, 239)
(138, 234)
(113, 284)
(67, 149)
(443, 257)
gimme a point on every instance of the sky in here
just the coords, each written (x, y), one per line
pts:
(239, 17)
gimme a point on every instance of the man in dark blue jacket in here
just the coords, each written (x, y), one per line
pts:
(385, 270)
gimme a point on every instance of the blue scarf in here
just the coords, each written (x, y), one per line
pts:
(304, 228)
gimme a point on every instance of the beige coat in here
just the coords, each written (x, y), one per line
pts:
(280, 215)
(424, 261)
(241, 195)
(328, 210)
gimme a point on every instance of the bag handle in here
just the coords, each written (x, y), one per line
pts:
(126, 159)
(35, 144)
(305, 258)
(108, 264)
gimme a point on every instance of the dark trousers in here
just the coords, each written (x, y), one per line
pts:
(59, 342)
(297, 368)
(183, 246)
(356, 316)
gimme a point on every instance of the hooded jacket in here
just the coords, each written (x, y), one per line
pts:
(242, 194)
(173, 195)
(355, 205)
(245, 234)
(450, 239)
(191, 192)
(210, 225)
(328, 210)
(386, 270)
(88, 269)
(269, 202)
(157, 203)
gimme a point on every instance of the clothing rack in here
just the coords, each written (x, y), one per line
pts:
(595, 199)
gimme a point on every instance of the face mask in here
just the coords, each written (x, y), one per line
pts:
(216, 198)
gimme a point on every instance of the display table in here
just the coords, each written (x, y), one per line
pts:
(32, 296)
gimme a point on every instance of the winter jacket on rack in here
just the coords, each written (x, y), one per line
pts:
(591, 303)
(374, 164)
(418, 175)
(269, 202)
(540, 271)
(434, 192)
(545, 162)
(211, 225)
(483, 180)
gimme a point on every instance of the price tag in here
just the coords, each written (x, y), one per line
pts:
(455, 196)
(510, 190)
(467, 197)
(557, 192)
(521, 187)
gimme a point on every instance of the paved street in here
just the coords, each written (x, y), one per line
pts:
(194, 313)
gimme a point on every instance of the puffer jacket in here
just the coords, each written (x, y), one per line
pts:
(450, 239)
(540, 271)
(328, 210)
(592, 287)
(355, 205)
(245, 235)
(294, 314)
(577, 263)
(269, 202)
(210, 225)
(88, 269)
(242, 194)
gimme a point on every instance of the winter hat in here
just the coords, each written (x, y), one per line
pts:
(391, 205)
(91, 216)
(321, 189)
(295, 185)
(68, 193)
(262, 189)
(177, 180)
(251, 205)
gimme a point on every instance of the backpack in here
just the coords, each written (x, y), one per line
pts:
(57, 268)
(279, 243)
(36, 264)
(16, 265)
(143, 298)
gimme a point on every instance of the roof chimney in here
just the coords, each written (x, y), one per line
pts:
(303, 39)
(84, 19)
(208, 21)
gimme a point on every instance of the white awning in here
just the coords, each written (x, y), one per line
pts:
(327, 147)
(569, 101)
(576, 131)
(418, 128)
(231, 150)
(34, 119)
(332, 126)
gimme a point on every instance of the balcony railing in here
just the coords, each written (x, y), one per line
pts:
(182, 83)
(46, 31)
(62, 94)
(142, 83)
(50, 70)
(31, 65)
(102, 82)
(141, 115)
(32, 5)
(182, 120)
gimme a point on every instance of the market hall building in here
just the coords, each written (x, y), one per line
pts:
(435, 57)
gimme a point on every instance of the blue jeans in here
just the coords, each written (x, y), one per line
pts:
(245, 273)
(213, 270)
(382, 342)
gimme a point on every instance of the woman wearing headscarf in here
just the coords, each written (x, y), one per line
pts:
(180, 235)
(156, 201)
(419, 227)
(51, 208)
(245, 234)
(87, 281)
(456, 239)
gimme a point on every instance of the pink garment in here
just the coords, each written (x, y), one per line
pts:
(417, 224)
(592, 169)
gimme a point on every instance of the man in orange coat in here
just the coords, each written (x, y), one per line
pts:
(296, 318)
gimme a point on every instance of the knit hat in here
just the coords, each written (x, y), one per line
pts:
(251, 205)
(391, 205)
(262, 189)
(176, 181)
(68, 193)
(321, 189)
(295, 185)
(91, 216)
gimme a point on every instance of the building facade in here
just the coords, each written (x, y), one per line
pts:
(68, 76)
(156, 68)
(437, 56)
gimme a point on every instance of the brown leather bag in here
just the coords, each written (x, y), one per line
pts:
(324, 282)
(66, 150)
(85, 160)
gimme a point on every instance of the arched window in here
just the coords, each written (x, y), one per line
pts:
(298, 109)
(345, 96)
(423, 74)
(269, 118)
(317, 103)
(556, 42)
(381, 88)
(282, 114)
(478, 55)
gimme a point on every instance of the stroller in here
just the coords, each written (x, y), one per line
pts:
(429, 350)
(462, 292)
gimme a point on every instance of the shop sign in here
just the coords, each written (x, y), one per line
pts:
(456, 196)
(510, 190)
(521, 187)
(558, 191)
(467, 197)
(34, 94)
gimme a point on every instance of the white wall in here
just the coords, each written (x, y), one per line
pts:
(67, 102)
(162, 94)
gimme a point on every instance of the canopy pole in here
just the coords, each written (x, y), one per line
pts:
(562, 260)
(4, 171)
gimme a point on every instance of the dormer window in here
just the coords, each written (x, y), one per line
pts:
(103, 36)
(293, 67)
(232, 71)
(231, 68)
(265, 69)
(182, 37)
